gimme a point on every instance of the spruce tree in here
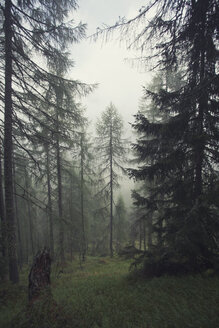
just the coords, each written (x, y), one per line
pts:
(147, 216)
(181, 153)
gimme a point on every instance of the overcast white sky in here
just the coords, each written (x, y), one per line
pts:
(96, 62)
(105, 64)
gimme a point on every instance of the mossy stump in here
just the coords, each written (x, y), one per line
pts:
(39, 276)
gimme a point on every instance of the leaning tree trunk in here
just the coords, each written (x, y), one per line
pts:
(9, 203)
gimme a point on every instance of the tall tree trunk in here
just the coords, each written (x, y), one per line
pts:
(26, 240)
(150, 230)
(82, 201)
(9, 203)
(144, 234)
(199, 69)
(111, 192)
(140, 234)
(204, 65)
(29, 212)
(59, 96)
(203, 103)
(61, 225)
(50, 214)
(20, 249)
(160, 234)
(2, 212)
(3, 222)
(72, 216)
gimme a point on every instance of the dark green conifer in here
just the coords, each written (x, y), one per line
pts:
(180, 153)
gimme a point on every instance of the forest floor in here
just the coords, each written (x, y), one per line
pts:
(102, 293)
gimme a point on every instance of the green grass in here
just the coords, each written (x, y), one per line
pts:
(100, 294)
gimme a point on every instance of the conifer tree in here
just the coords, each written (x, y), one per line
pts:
(147, 216)
(86, 179)
(120, 223)
(182, 152)
(111, 149)
(32, 29)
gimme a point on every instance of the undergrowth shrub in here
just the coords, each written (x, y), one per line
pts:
(159, 262)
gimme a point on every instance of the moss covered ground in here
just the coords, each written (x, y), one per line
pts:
(102, 293)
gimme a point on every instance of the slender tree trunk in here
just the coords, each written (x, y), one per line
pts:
(201, 140)
(82, 200)
(61, 225)
(29, 212)
(72, 217)
(111, 193)
(200, 148)
(9, 203)
(50, 214)
(199, 69)
(26, 240)
(144, 234)
(59, 96)
(140, 234)
(20, 249)
(159, 234)
(150, 228)
(2, 212)
(3, 223)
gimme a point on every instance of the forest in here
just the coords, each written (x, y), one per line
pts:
(74, 250)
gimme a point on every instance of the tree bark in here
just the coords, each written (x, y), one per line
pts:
(111, 192)
(2, 212)
(159, 234)
(140, 234)
(150, 229)
(203, 103)
(199, 70)
(20, 249)
(59, 96)
(50, 214)
(9, 202)
(82, 201)
(39, 276)
(144, 234)
(72, 217)
(29, 212)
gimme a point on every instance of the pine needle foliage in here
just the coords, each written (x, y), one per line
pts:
(180, 153)
(34, 35)
(111, 150)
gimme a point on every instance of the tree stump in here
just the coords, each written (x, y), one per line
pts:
(39, 276)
